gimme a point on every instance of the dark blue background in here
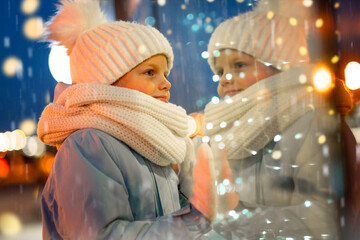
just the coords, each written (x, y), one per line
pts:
(25, 95)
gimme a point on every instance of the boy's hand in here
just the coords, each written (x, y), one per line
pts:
(204, 189)
(232, 198)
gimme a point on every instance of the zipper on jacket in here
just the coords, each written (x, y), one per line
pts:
(158, 207)
(259, 191)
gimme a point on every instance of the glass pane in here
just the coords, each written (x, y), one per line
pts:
(290, 130)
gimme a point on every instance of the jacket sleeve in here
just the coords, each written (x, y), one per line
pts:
(86, 198)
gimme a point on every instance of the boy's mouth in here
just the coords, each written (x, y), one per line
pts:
(162, 98)
(232, 92)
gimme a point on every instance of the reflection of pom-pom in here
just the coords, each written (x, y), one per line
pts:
(74, 18)
(298, 9)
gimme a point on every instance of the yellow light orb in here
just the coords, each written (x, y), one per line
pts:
(270, 14)
(183, 6)
(10, 224)
(309, 89)
(28, 126)
(335, 59)
(29, 6)
(33, 28)
(293, 21)
(352, 75)
(303, 51)
(279, 41)
(20, 139)
(322, 139)
(336, 5)
(319, 23)
(322, 79)
(11, 66)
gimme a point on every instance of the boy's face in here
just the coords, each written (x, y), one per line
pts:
(149, 77)
(238, 71)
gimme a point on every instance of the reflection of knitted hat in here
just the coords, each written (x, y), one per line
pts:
(269, 37)
(101, 51)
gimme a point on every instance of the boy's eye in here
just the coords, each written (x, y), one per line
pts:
(220, 72)
(239, 64)
(150, 72)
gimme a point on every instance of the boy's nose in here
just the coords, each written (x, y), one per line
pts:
(226, 78)
(164, 84)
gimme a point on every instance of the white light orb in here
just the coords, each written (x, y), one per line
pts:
(59, 64)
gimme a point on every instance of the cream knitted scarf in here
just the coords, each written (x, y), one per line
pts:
(245, 123)
(154, 129)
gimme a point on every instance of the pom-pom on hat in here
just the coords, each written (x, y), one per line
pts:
(101, 51)
(271, 33)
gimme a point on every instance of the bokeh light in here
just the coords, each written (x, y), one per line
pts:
(29, 6)
(322, 139)
(161, 2)
(4, 168)
(270, 14)
(303, 51)
(18, 139)
(307, 3)
(4, 142)
(279, 41)
(322, 79)
(215, 100)
(302, 78)
(10, 224)
(352, 75)
(276, 154)
(59, 64)
(293, 21)
(33, 28)
(11, 66)
(28, 126)
(46, 162)
(150, 21)
(215, 78)
(335, 59)
(34, 147)
(14, 140)
(319, 23)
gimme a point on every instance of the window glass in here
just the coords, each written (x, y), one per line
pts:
(281, 103)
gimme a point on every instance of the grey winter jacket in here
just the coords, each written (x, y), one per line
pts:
(99, 188)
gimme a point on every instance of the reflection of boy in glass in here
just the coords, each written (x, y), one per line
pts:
(118, 135)
(278, 133)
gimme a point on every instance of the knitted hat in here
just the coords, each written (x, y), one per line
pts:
(101, 51)
(264, 34)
